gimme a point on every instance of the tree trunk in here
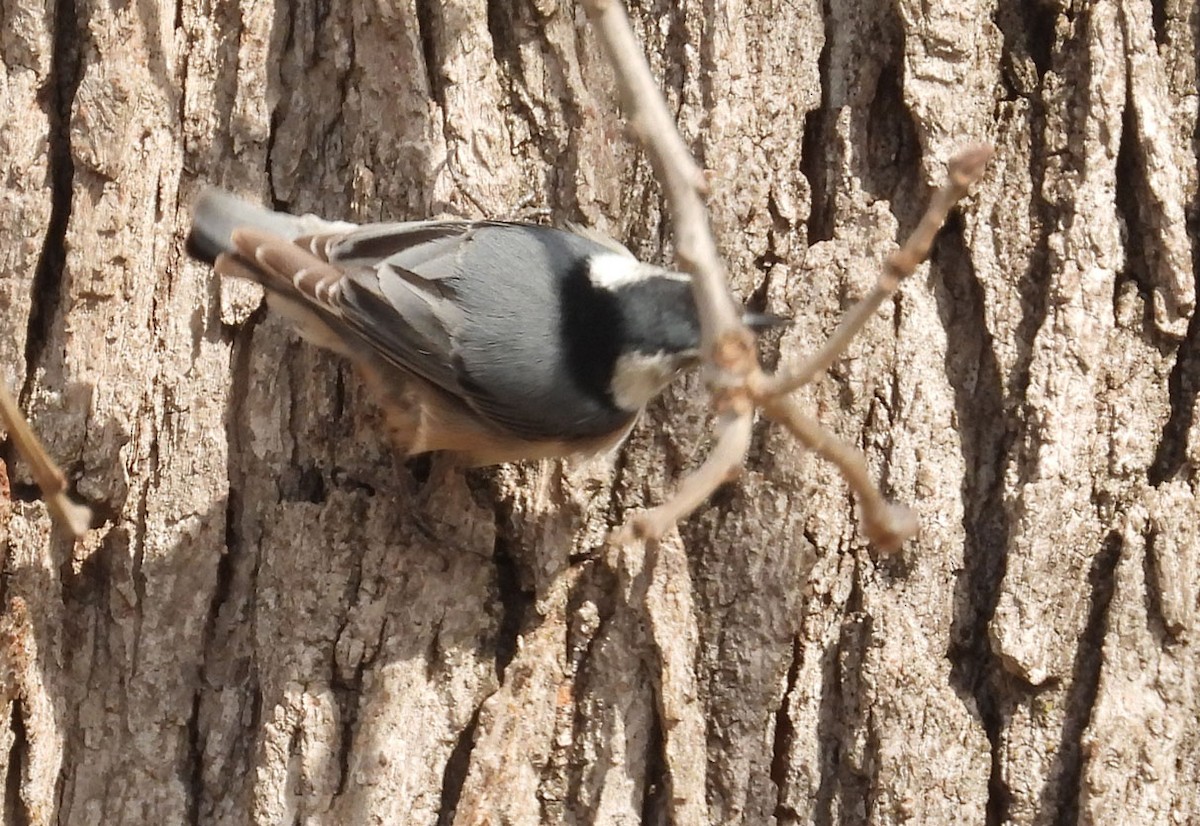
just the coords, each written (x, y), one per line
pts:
(276, 620)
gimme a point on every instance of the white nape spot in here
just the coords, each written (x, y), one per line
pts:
(639, 377)
(610, 270)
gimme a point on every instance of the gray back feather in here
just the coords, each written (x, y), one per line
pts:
(480, 310)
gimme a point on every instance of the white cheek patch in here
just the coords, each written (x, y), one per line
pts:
(639, 377)
(610, 270)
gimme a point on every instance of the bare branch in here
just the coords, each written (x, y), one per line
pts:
(728, 344)
(965, 169)
(75, 518)
(886, 525)
(723, 464)
(734, 373)
(729, 347)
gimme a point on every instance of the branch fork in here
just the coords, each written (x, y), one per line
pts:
(734, 375)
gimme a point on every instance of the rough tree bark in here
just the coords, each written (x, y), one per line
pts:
(276, 621)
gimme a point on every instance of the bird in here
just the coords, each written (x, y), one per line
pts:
(492, 341)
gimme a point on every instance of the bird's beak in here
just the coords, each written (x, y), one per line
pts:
(760, 322)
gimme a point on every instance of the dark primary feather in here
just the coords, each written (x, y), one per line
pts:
(217, 213)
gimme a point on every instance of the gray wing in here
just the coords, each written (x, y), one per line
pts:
(475, 309)
(397, 293)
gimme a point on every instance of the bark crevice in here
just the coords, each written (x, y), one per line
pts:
(1062, 792)
(784, 736)
(16, 808)
(454, 774)
(430, 28)
(194, 767)
(843, 713)
(815, 137)
(515, 601)
(974, 373)
(655, 808)
(1183, 383)
(70, 39)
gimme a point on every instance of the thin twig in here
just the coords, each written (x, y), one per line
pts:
(722, 465)
(965, 169)
(75, 518)
(886, 524)
(728, 346)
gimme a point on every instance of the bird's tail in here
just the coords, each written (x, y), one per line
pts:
(217, 213)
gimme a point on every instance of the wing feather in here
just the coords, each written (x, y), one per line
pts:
(393, 287)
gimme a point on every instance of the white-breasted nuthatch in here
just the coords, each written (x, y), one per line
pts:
(492, 340)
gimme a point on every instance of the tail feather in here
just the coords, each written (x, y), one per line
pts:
(217, 214)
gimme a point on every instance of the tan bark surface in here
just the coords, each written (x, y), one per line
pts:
(275, 620)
